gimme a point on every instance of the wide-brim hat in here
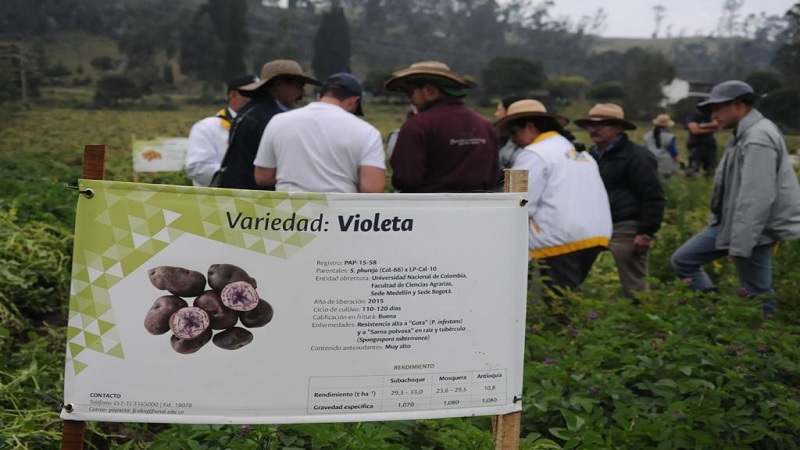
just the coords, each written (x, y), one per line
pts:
(527, 108)
(663, 120)
(726, 92)
(279, 68)
(606, 112)
(433, 72)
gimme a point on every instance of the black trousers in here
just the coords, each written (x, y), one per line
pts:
(704, 158)
(568, 271)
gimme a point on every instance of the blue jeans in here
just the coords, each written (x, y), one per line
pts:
(755, 272)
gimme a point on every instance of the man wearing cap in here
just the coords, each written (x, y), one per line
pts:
(755, 202)
(280, 88)
(446, 147)
(208, 138)
(569, 217)
(630, 175)
(323, 146)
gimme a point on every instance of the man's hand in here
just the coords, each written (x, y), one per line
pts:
(641, 243)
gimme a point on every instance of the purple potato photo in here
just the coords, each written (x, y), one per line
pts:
(239, 296)
(233, 338)
(221, 275)
(189, 323)
(156, 321)
(220, 315)
(188, 346)
(258, 316)
(177, 280)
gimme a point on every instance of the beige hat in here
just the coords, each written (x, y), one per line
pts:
(663, 120)
(527, 108)
(278, 68)
(430, 71)
(606, 112)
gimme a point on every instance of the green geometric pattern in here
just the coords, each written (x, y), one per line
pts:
(125, 224)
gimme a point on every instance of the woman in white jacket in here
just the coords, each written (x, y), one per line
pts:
(570, 217)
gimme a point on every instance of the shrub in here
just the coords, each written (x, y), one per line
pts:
(113, 89)
(35, 263)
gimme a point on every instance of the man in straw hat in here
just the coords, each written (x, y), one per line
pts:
(755, 202)
(446, 147)
(630, 175)
(281, 86)
(569, 215)
(208, 138)
(323, 146)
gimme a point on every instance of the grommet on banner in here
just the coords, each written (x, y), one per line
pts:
(523, 202)
(87, 192)
(517, 399)
(68, 407)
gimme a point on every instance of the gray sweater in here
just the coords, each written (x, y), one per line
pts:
(756, 197)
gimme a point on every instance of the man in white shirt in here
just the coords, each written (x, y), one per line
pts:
(323, 146)
(208, 138)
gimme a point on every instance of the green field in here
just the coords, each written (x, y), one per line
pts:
(681, 370)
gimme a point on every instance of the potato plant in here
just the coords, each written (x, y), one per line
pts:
(681, 370)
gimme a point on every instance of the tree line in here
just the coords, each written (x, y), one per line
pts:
(505, 47)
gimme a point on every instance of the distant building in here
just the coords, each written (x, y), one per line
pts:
(679, 89)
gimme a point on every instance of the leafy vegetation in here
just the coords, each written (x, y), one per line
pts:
(681, 370)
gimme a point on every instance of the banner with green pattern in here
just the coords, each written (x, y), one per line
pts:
(203, 305)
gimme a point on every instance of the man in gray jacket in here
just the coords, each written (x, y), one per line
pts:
(755, 202)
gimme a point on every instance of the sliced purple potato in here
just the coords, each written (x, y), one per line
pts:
(189, 323)
(239, 296)
(156, 321)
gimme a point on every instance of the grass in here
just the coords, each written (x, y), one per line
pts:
(680, 371)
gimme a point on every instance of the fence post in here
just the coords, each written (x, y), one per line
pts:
(94, 168)
(506, 427)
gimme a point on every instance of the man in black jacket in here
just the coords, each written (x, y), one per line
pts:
(630, 175)
(280, 88)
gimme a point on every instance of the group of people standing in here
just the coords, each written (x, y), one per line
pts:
(580, 201)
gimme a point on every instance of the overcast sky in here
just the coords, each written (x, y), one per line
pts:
(636, 18)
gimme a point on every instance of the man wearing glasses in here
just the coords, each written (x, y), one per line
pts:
(755, 202)
(446, 147)
(630, 175)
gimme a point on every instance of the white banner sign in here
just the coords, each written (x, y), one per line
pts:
(202, 305)
(165, 154)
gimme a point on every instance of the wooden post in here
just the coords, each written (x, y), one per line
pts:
(94, 168)
(133, 163)
(506, 428)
